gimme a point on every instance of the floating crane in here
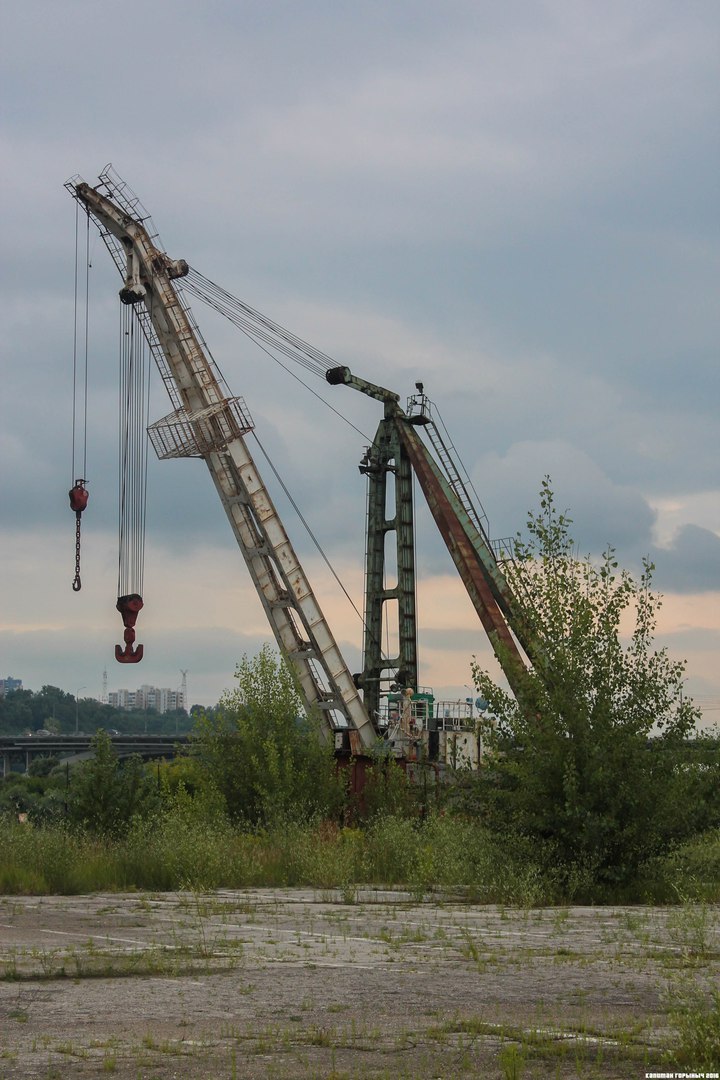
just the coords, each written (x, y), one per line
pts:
(207, 422)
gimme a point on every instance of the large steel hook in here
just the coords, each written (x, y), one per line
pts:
(129, 607)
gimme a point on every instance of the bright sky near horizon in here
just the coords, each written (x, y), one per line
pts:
(515, 203)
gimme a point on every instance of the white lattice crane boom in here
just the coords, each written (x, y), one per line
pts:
(208, 423)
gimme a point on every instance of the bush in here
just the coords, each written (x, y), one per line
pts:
(105, 793)
(585, 767)
(696, 1018)
(260, 751)
(56, 859)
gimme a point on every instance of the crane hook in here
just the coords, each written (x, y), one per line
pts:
(78, 501)
(129, 607)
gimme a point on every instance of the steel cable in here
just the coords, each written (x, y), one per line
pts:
(250, 319)
(260, 329)
(132, 453)
(79, 423)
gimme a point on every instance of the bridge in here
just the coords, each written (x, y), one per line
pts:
(17, 751)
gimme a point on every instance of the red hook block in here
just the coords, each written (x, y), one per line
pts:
(78, 496)
(129, 607)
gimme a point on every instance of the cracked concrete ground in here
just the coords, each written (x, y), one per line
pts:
(293, 983)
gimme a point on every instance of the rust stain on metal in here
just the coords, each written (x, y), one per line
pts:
(469, 568)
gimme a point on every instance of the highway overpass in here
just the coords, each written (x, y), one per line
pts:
(17, 751)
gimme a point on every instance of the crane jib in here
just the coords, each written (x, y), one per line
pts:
(207, 421)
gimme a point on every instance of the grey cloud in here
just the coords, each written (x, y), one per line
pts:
(691, 563)
(454, 640)
(603, 511)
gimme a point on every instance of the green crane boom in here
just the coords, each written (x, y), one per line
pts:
(396, 449)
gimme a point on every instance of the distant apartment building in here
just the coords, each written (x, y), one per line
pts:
(8, 685)
(162, 700)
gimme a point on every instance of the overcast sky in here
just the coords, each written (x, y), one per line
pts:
(516, 203)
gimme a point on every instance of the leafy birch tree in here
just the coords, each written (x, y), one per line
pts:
(261, 751)
(586, 767)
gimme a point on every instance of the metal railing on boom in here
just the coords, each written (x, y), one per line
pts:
(455, 472)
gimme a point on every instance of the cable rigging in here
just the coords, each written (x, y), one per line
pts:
(271, 338)
(259, 328)
(132, 486)
(78, 493)
(257, 324)
(136, 328)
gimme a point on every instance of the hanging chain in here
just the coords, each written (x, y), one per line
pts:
(77, 584)
(78, 501)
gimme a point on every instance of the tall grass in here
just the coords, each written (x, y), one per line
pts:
(184, 849)
(180, 850)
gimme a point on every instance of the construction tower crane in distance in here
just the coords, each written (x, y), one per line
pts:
(396, 450)
(206, 422)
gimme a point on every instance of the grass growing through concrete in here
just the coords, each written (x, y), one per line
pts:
(534, 993)
(695, 1013)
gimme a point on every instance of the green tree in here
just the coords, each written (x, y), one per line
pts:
(43, 766)
(16, 714)
(586, 768)
(106, 793)
(261, 751)
(19, 793)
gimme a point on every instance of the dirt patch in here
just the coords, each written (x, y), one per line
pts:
(298, 983)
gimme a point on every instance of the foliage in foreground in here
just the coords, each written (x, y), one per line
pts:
(575, 801)
(260, 751)
(696, 1018)
(189, 847)
(573, 772)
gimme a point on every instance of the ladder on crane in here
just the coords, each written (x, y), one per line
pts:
(419, 405)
